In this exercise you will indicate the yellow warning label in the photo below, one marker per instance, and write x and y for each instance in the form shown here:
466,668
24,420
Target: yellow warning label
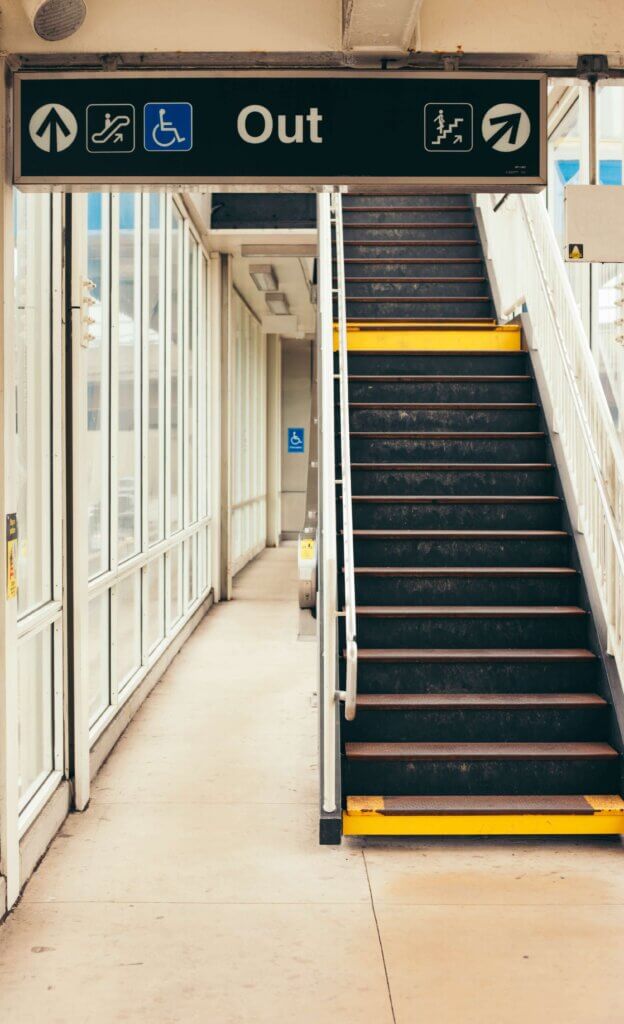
11,543
575,252
307,549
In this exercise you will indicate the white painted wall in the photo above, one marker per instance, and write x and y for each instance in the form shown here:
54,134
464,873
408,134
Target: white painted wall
123,26
488,26
558,26
296,402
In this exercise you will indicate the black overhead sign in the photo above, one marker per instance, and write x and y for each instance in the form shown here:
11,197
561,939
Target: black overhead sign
133,130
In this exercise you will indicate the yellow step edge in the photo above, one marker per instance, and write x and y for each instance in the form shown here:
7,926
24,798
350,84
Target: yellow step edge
365,817
429,337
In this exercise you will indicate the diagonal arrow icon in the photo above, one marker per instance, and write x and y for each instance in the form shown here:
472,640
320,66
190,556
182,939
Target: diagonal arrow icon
509,123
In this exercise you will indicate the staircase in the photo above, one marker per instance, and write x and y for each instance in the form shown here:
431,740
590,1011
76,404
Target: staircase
483,705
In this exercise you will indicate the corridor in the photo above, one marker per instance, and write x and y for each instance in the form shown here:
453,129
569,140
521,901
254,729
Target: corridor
193,888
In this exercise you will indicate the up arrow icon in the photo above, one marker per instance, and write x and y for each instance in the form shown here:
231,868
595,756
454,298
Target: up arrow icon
53,128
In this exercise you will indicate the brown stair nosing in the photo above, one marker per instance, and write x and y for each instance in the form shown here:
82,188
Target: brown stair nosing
463,534
467,654
473,805
450,435
394,611
456,499
453,467
478,701
479,751
447,572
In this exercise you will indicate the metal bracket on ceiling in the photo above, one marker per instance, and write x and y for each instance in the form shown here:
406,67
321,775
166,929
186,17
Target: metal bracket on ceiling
451,61
592,66
111,61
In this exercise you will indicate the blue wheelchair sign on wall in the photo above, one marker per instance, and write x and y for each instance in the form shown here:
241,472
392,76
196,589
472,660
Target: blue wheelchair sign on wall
296,440
168,127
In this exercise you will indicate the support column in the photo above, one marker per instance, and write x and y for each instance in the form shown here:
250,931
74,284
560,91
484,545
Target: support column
274,439
225,557
9,752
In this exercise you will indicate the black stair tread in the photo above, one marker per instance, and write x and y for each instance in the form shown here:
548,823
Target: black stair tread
457,499
398,225
463,534
418,298
450,571
413,280
521,701
453,467
451,435
478,611
485,654
500,804
417,241
405,209
413,259
478,751
439,406
442,378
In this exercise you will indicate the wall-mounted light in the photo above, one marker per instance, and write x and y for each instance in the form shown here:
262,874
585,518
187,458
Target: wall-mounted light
264,277
277,303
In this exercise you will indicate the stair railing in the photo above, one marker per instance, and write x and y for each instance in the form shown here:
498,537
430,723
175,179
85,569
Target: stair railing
529,273
349,694
327,601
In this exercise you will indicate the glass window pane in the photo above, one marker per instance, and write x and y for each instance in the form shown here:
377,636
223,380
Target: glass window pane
128,623
156,369
99,655
128,317
98,379
191,385
35,713
204,385
33,382
568,148
174,562
155,602
176,377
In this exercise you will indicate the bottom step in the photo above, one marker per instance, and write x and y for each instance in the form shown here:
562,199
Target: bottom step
483,815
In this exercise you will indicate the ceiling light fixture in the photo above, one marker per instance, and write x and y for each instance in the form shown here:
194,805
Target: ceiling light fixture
264,277
277,303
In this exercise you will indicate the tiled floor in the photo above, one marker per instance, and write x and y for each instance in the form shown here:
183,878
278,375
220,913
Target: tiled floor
193,889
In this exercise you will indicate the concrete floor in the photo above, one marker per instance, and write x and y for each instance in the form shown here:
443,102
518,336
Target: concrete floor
193,888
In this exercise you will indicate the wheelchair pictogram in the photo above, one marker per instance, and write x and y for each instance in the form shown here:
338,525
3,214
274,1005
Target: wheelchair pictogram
168,127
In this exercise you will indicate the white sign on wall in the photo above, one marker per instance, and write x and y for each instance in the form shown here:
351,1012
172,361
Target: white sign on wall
594,224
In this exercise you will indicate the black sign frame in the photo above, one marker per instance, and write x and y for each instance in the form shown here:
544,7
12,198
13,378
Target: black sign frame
385,152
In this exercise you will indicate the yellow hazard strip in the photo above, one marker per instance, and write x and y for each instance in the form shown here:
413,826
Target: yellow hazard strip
468,338
374,824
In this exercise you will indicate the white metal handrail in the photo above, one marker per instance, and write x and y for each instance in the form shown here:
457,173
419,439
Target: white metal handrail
328,561
349,695
529,271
